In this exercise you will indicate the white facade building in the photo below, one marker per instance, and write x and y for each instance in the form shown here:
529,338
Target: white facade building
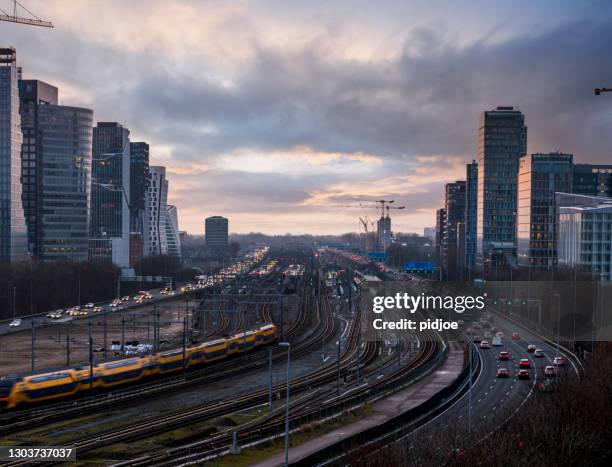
585,233
155,241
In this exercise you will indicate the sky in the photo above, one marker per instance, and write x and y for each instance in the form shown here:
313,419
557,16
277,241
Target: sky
285,116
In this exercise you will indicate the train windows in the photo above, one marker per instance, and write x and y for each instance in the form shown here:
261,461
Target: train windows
49,377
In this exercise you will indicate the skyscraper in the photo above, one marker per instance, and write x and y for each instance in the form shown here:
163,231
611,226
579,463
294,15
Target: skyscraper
471,204
454,207
110,191
32,94
172,232
502,141
440,226
539,177
216,231
56,173
13,231
139,181
155,241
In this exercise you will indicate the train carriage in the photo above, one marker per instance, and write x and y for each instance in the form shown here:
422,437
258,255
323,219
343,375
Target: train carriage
28,389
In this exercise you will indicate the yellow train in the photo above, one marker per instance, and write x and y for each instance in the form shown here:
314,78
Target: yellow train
32,389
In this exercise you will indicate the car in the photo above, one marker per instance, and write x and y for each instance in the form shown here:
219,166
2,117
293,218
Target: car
476,339
550,371
503,373
523,374
475,325
524,363
114,305
559,361
487,335
499,334
96,309
16,322
531,348
546,386
503,355
538,353
485,345
89,305
82,313
497,341
126,298
516,336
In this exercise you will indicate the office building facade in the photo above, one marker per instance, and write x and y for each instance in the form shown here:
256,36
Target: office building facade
110,191
471,209
33,94
440,226
539,177
502,141
592,180
13,231
172,232
454,208
155,240
216,232
585,233
383,231
63,199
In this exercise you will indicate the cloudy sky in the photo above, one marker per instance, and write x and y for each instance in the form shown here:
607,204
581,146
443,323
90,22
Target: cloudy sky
280,114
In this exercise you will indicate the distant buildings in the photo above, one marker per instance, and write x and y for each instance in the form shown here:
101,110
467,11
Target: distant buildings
383,232
539,177
139,183
440,228
172,232
452,247
585,233
502,141
471,209
110,191
430,233
216,232
13,231
156,200
592,180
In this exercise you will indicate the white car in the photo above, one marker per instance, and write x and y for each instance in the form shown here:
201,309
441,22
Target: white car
89,305
538,353
485,345
15,323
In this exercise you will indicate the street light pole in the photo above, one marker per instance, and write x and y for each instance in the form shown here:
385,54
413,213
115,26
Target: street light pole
288,345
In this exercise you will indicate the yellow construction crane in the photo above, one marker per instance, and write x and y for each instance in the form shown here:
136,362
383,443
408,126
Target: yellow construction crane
32,21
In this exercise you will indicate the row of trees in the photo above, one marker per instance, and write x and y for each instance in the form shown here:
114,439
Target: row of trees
35,287
32,287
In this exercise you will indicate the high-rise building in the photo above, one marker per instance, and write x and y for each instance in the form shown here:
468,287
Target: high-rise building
539,177
216,231
383,232
592,180
139,181
13,231
155,241
172,232
56,173
454,208
502,141
471,209
63,203
110,192
585,233
33,94
440,226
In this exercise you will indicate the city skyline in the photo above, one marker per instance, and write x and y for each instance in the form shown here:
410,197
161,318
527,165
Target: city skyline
230,109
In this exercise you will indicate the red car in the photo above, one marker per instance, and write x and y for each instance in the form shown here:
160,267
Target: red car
523,374
503,355
524,363
516,335
503,373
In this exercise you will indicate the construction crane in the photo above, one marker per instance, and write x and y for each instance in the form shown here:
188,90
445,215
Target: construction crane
32,21
599,91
